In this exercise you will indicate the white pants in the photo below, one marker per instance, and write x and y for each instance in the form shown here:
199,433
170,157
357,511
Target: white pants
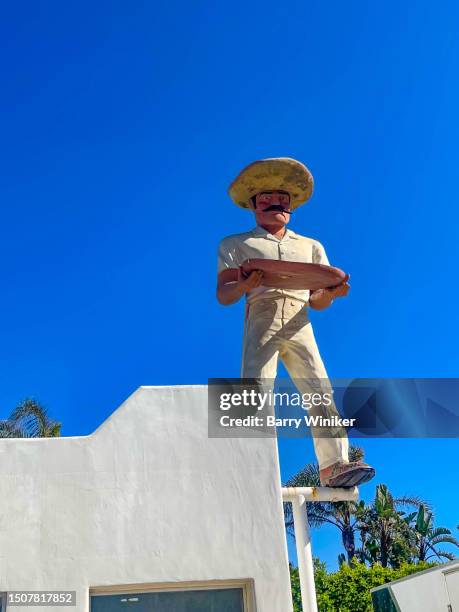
280,327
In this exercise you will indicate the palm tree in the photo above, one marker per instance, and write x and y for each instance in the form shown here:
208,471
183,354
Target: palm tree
385,533
29,420
427,538
340,514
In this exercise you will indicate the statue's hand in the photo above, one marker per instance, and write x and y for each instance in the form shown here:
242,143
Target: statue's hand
340,290
247,283
322,298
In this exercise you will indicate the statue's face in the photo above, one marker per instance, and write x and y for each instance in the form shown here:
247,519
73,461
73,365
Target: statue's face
270,206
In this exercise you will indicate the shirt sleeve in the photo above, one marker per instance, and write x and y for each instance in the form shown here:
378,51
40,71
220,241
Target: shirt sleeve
227,255
318,254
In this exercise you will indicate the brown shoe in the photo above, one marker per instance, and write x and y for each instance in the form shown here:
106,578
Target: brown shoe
348,475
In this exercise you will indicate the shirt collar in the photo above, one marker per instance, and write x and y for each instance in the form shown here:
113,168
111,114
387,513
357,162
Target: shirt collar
260,231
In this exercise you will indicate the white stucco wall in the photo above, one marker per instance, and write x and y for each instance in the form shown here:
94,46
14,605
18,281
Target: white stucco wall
146,498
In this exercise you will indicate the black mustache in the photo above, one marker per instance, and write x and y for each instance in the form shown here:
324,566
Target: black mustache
277,207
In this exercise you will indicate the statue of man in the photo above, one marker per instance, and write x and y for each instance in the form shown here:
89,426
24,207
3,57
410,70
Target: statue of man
277,324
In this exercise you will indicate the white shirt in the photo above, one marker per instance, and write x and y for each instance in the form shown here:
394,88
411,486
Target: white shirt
258,243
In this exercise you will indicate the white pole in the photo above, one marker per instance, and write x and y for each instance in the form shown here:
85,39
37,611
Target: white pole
299,496
304,554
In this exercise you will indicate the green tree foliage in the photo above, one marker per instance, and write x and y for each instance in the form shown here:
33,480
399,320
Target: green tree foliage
29,420
385,533
426,537
296,590
348,589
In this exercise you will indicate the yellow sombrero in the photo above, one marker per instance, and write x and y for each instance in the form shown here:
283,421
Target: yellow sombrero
269,174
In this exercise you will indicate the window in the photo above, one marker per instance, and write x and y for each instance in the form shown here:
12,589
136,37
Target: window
383,600
232,598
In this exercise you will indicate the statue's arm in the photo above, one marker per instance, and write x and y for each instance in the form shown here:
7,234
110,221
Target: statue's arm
231,285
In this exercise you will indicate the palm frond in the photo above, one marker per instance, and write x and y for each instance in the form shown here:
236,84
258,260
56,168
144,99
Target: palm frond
411,500
309,476
8,430
356,453
438,531
32,417
442,554
443,539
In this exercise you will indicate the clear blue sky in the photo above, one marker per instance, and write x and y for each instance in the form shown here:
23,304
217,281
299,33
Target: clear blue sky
122,125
